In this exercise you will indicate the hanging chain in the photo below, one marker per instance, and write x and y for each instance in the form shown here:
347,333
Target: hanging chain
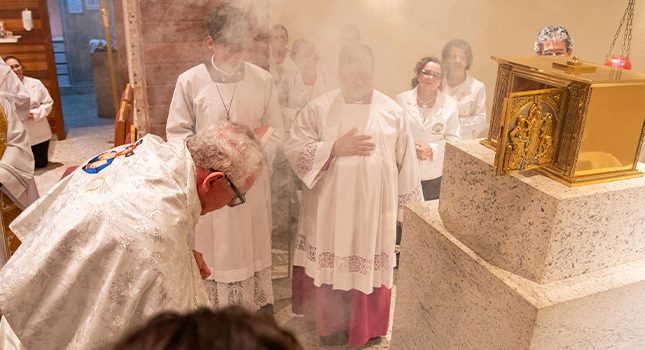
627,38
628,30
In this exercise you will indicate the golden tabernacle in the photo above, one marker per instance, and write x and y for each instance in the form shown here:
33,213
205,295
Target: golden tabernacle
576,122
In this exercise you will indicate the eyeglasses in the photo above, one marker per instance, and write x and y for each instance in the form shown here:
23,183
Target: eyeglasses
554,52
431,74
239,199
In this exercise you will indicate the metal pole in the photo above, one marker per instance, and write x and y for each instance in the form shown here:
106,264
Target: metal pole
108,38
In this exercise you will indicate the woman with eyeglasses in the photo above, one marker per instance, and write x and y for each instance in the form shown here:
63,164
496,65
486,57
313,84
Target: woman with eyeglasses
460,85
40,107
433,119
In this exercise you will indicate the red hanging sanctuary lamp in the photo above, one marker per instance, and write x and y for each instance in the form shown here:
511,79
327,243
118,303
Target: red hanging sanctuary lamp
622,61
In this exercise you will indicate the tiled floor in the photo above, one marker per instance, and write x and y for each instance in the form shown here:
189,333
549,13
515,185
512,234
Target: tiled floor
80,112
80,145
87,135
84,143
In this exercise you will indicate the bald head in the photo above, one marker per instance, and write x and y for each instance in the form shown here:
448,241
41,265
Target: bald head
356,72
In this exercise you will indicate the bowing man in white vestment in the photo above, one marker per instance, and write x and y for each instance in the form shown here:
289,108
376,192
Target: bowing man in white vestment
236,242
433,118
469,92
16,160
353,150
108,246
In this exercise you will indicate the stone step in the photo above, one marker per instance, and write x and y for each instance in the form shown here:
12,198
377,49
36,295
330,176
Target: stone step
451,298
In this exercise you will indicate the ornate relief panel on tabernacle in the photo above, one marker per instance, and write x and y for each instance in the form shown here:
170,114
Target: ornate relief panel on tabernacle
529,125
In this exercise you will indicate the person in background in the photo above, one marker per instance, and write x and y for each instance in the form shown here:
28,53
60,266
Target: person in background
353,150
231,328
297,88
280,65
554,41
108,246
282,69
41,105
235,241
307,82
17,186
349,36
15,91
433,118
469,92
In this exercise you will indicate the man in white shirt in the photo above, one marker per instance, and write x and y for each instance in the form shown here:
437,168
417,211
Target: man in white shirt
236,242
107,247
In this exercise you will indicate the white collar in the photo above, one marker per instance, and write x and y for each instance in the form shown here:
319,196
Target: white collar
225,73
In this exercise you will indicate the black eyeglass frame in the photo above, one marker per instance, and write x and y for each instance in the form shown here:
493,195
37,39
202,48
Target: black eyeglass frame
240,199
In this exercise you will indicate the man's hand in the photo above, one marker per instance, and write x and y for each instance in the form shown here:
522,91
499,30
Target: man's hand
424,152
352,145
204,271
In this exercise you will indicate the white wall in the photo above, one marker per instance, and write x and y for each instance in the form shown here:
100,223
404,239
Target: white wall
402,31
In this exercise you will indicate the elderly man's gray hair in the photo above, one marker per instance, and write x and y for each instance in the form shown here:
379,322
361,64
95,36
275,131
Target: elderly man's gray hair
553,33
229,147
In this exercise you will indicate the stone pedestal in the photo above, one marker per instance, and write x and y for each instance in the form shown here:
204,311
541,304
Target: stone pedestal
499,275
534,226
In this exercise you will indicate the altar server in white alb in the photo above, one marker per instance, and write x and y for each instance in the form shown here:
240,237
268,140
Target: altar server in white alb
41,105
433,118
17,186
107,247
469,92
280,63
236,242
353,150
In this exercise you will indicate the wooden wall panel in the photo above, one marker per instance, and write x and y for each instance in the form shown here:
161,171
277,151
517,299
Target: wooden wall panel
34,50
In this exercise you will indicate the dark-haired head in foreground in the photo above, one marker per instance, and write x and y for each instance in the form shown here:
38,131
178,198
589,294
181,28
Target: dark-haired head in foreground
232,328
